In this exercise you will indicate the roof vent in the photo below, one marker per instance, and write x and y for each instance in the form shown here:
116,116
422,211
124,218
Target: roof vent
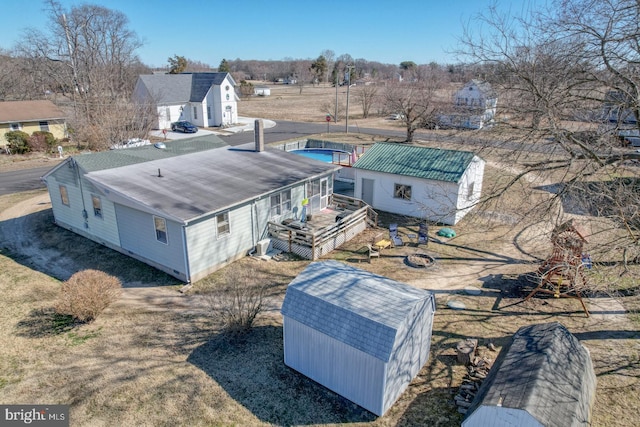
159,174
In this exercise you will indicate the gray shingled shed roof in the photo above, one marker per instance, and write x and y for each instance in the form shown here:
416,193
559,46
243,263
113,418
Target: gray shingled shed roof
181,88
412,160
205,181
361,309
544,371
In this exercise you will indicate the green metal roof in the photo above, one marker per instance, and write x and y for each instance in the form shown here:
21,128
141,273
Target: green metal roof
416,161
130,156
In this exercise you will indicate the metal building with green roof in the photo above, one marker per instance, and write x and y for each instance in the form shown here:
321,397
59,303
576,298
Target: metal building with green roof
431,183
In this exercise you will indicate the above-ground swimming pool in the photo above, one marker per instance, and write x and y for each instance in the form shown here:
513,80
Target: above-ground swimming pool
326,155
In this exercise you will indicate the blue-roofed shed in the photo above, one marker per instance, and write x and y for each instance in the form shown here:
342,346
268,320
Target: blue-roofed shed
431,183
362,335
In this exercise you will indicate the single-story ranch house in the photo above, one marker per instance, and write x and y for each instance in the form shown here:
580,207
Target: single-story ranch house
32,116
204,99
189,208
437,185
362,335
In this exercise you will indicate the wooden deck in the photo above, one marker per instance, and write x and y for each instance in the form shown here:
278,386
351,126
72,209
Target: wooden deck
325,230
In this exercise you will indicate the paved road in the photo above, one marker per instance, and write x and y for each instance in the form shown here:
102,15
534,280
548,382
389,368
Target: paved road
29,179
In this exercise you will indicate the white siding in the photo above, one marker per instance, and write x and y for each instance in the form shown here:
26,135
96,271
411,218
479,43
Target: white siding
168,114
411,351
433,200
138,239
498,416
472,176
345,370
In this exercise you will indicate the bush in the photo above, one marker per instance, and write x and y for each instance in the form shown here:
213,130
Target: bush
239,300
17,142
86,294
42,141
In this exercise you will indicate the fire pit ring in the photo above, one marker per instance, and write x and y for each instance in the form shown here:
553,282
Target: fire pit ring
420,260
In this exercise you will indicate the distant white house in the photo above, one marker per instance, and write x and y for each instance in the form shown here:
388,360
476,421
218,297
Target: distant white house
262,91
437,185
362,335
474,106
204,99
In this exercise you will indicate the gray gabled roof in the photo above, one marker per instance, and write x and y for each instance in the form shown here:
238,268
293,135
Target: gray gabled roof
544,371
204,182
181,88
359,308
416,161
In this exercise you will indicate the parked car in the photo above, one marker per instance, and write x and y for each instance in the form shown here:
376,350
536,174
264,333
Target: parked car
184,126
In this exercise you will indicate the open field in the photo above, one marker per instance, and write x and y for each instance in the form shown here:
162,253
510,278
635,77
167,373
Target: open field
158,357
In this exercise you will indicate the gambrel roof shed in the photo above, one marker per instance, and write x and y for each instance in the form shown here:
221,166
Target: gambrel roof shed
359,334
544,377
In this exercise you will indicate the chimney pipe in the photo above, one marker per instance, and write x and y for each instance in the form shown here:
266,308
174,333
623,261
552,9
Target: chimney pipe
259,135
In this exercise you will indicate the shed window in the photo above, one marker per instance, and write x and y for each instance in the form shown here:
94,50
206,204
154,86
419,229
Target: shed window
44,126
161,229
97,206
64,196
402,191
222,223
15,126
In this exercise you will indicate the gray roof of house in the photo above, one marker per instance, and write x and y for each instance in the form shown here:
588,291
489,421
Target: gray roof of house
181,88
93,162
200,182
416,161
544,371
359,308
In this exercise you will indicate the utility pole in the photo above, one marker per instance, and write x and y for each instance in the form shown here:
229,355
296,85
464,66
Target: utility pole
335,116
349,67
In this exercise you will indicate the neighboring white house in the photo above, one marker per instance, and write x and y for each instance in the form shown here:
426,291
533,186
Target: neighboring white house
187,209
474,106
204,99
362,335
437,185
262,91
544,377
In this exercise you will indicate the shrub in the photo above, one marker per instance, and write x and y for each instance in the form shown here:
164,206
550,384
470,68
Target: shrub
86,294
42,141
239,299
17,141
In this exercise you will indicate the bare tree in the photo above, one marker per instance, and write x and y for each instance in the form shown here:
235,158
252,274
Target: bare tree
415,102
553,88
367,95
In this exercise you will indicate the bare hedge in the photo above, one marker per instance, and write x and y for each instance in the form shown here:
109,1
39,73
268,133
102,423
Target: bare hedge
87,293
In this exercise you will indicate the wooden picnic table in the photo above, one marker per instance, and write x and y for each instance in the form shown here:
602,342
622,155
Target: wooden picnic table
382,244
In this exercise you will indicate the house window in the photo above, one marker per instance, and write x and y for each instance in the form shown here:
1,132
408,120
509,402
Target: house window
280,203
195,113
402,191
222,224
97,206
209,112
470,190
168,113
15,126
64,196
160,225
44,126
313,188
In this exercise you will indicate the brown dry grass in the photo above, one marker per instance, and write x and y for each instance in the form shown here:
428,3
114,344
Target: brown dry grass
157,357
